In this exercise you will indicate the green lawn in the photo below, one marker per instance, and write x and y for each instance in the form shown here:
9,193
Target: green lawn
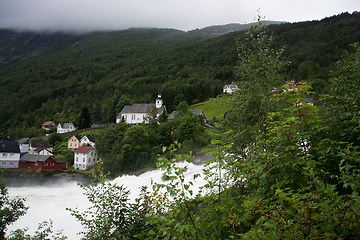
215,107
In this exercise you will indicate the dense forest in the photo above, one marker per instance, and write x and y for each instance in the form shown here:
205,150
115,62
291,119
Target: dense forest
52,76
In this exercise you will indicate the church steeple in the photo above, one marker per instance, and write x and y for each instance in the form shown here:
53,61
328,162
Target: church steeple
158,101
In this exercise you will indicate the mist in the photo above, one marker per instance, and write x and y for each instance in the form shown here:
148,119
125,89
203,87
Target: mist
90,15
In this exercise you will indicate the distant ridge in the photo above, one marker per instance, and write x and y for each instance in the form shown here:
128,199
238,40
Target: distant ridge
231,27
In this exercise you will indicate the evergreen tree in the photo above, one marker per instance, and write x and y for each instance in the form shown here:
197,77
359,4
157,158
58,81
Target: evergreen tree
84,120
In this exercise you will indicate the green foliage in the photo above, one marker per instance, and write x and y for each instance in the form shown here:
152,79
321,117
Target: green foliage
84,120
10,209
43,232
111,216
258,72
213,108
54,138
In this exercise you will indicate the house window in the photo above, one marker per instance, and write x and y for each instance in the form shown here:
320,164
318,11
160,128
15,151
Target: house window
4,154
51,164
45,164
89,159
75,144
70,144
133,117
83,159
92,153
77,159
36,163
11,154
11,163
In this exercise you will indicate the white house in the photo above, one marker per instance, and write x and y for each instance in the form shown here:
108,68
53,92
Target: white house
88,140
84,157
137,113
9,153
43,151
65,127
230,88
24,145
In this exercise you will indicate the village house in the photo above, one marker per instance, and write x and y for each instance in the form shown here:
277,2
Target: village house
35,144
48,125
65,127
230,88
24,145
84,157
9,153
43,151
74,142
88,140
42,162
138,113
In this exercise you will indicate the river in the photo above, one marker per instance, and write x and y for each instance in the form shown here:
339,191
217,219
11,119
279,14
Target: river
49,197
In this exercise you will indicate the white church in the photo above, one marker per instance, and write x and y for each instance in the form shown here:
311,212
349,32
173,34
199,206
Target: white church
137,113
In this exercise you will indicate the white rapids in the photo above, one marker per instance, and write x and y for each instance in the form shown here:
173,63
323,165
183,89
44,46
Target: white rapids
49,201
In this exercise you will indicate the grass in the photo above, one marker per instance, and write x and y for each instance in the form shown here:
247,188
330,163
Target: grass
215,107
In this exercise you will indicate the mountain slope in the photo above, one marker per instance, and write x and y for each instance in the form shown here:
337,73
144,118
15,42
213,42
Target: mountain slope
99,69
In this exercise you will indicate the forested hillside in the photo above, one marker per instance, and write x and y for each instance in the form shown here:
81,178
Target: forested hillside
94,70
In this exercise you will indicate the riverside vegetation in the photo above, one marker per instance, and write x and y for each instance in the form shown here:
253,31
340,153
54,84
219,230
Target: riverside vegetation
283,169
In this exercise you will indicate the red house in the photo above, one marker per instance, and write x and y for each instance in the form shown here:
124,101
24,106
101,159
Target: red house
42,162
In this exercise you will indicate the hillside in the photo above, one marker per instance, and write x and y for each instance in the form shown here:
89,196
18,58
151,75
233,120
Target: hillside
51,76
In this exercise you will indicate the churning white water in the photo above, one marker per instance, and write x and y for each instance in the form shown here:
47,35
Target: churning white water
49,200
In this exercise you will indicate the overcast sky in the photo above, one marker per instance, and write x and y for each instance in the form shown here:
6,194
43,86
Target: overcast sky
180,14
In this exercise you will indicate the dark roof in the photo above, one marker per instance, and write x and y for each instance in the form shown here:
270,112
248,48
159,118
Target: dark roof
66,125
200,112
34,158
9,146
39,143
60,160
6,139
197,112
77,137
92,137
24,141
139,108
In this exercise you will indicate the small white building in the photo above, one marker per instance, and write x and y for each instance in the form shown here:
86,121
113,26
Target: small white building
65,127
84,157
24,145
88,140
9,153
43,152
230,88
137,113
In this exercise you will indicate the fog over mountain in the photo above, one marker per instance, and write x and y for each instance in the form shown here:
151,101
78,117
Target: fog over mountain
87,15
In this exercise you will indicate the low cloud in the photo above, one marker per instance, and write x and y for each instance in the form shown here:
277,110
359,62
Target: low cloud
87,15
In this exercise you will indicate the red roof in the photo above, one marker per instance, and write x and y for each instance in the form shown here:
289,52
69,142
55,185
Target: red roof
48,123
83,149
39,149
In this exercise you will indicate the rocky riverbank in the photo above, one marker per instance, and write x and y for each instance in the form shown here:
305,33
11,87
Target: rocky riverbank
28,172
